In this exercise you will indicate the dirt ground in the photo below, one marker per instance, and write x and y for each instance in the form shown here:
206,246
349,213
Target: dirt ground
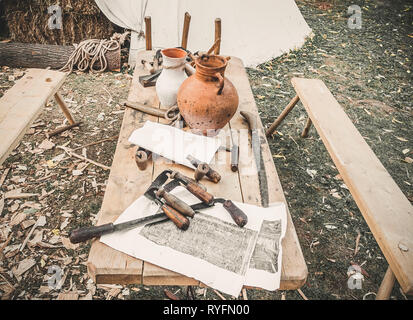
367,70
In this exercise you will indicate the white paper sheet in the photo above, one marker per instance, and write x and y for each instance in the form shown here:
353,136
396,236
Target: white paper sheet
264,270
225,273
175,144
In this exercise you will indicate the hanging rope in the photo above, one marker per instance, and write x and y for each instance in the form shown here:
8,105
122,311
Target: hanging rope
90,54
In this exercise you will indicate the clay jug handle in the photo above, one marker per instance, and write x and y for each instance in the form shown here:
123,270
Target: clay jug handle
221,82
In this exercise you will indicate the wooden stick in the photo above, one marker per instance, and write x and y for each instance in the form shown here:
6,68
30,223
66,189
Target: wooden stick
307,127
214,46
185,32
97,142
244,294
386,286
60,101
4,175
62,129
6,243
219,295
148,33
302,294
72,154
218,35
283,114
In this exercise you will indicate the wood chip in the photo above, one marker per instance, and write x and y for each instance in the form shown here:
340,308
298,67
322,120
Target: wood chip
113,293
46,145
24,265
408,160
68,296
170,295
27,223
3,176
356,249
17,194
1,205
17,219
68,245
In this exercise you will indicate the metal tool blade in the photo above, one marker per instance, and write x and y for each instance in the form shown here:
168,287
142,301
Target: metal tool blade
156,184
155,218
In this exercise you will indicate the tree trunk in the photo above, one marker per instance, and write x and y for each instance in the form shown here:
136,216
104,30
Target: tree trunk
27,55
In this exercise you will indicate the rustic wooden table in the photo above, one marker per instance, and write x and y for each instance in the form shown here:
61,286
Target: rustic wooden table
126,183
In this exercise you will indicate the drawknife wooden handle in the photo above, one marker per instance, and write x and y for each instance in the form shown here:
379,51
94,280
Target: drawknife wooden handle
178,219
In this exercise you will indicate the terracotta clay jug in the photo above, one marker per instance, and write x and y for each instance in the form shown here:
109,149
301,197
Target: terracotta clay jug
207,100
172,75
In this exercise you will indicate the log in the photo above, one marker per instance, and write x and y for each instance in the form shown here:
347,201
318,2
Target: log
27,55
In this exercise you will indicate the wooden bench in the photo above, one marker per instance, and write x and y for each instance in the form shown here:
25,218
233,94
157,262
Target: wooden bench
385,208
126,183
21,105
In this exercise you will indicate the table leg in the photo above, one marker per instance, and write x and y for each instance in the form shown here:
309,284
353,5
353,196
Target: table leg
283,114
386,286
63,106
307,127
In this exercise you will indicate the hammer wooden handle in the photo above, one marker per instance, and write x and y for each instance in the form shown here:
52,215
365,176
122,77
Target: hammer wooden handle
178,219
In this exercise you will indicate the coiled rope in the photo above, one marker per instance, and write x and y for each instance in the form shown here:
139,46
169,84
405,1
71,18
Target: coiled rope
90,54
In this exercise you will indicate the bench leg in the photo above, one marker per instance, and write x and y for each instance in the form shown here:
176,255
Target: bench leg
386,286
283,114
307,127
63,106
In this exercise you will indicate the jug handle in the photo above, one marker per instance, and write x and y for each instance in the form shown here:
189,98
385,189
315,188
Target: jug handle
221,82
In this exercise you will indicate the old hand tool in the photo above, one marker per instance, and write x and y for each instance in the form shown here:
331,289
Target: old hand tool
208,199
148,66
234,157
174,204
146,109
87,233
142,157
239,217
257,141
149,80
211,174
193,187
201,171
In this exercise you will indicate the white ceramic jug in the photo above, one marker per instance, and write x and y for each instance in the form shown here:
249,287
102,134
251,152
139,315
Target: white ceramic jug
172,75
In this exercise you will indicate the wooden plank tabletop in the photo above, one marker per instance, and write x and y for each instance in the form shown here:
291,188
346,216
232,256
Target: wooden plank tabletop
387,211
126,183
22,103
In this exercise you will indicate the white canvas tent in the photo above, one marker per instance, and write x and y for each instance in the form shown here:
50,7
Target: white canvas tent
255,31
